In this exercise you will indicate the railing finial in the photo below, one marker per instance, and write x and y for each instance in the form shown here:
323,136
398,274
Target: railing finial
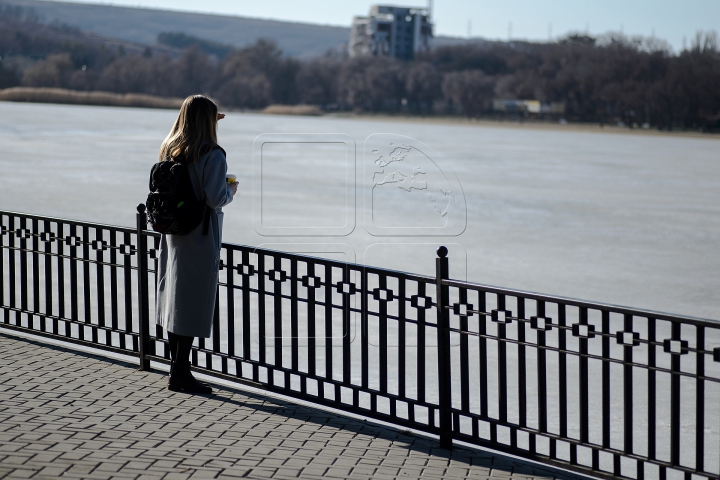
442,251
141,208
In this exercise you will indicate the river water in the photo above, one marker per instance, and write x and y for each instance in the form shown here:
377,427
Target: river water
618,218
625,219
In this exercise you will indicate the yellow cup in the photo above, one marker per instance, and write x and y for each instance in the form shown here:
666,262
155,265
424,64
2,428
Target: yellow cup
231,178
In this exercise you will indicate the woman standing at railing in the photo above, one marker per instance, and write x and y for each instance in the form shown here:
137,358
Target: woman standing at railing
188,265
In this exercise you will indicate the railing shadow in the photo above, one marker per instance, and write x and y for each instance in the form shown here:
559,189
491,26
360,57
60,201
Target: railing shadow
273,405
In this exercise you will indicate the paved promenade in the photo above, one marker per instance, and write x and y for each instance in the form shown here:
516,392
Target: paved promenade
67,414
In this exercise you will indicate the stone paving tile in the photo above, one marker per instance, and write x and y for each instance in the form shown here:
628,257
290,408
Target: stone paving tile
66,414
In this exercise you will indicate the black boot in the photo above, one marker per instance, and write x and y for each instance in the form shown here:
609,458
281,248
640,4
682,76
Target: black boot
181,378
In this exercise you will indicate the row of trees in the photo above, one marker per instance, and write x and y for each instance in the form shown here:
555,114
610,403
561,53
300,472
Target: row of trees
607,79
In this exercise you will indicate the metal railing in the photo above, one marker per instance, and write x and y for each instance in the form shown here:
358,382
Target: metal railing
604,390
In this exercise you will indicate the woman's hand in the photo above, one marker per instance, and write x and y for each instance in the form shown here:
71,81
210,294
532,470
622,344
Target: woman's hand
233,188
221,116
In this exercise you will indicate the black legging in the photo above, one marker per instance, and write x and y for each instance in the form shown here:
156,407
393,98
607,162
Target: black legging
180,347
181,377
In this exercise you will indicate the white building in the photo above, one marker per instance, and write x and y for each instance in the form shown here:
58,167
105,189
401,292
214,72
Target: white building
398,32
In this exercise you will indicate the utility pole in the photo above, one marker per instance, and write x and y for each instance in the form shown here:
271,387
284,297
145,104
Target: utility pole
430,9
550,32
469,30
509,31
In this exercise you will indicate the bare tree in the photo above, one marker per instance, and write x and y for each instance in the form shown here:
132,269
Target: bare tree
423,87
317,82
471,90
54,71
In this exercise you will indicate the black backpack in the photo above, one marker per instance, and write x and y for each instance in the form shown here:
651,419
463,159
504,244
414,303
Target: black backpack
172,207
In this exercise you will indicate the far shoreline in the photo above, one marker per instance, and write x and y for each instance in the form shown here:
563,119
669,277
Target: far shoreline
58,96
526,124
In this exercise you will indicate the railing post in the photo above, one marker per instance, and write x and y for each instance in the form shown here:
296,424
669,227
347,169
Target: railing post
443,332
143,310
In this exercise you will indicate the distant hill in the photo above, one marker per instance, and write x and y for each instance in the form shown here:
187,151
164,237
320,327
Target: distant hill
142,25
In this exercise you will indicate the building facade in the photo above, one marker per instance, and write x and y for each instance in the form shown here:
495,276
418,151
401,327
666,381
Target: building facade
398,32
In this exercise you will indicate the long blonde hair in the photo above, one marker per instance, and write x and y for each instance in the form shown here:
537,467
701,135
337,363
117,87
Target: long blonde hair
194,131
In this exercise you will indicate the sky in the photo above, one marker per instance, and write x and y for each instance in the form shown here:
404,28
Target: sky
671,20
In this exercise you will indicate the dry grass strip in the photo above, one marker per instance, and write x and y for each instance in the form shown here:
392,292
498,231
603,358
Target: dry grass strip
309,110
74,97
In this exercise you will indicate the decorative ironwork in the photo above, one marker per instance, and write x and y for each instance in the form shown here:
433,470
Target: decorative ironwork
421,302
246,270
501,316
540,323
514,371
675,347
277,275
98,245
383,294
629,339
311,281
346,288
583,330
73,241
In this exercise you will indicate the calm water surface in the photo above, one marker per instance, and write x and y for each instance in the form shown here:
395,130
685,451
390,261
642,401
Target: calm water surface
625,219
